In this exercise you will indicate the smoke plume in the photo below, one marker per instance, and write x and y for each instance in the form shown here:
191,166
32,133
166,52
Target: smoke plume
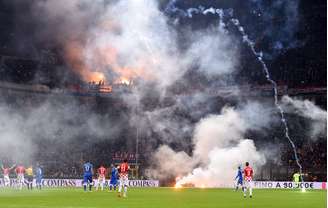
316,116
220,147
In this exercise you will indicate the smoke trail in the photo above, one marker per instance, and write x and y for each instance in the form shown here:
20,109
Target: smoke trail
272,24
274,85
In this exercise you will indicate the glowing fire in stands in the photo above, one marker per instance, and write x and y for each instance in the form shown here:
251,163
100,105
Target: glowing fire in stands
124,80
96,76
103,58
75,59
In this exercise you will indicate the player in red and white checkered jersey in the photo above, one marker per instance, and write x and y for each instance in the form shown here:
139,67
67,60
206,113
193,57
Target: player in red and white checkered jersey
101,178
248,180
124,180
20,171
6,172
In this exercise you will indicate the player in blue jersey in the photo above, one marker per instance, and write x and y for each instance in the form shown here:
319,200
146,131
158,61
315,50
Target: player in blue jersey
239,178
87,176
113,178
39,176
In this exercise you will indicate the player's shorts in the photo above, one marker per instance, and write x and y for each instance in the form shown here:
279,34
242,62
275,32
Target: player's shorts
87,178
101,179
113,181
6,179
38,180
248,183
29,178
239,182
20,178
124,180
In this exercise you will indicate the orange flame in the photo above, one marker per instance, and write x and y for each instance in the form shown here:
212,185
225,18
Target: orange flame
74,56
104,57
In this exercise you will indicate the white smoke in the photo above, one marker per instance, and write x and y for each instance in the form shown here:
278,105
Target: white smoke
307,109
214,52
168,163
22,130
219,147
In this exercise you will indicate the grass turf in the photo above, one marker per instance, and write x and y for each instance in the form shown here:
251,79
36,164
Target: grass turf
160,198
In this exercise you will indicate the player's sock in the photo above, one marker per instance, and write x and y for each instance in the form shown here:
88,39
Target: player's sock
114,188
110,187
125,190
90,186
120,189
85,187
250,192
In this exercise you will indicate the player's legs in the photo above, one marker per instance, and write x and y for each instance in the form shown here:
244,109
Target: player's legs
115,185
85,182
22,180
29,185
120,185
38,183
102,183
239,183
250,189
31,182
97,183
90,182
110,185
126,182
236,186
246,186
6,180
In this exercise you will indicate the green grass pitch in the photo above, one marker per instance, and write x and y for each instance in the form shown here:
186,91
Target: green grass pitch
161,197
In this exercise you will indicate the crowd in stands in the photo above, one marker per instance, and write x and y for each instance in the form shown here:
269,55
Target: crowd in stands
312,156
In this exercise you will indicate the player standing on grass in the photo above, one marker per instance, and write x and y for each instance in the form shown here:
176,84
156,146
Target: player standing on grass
113,178
87,176
101,177
20,171
29,173
39,176
296,179
6,173
124,180
248,177
239,176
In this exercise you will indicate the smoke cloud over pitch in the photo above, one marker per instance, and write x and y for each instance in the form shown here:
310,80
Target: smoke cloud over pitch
22,129
220,147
